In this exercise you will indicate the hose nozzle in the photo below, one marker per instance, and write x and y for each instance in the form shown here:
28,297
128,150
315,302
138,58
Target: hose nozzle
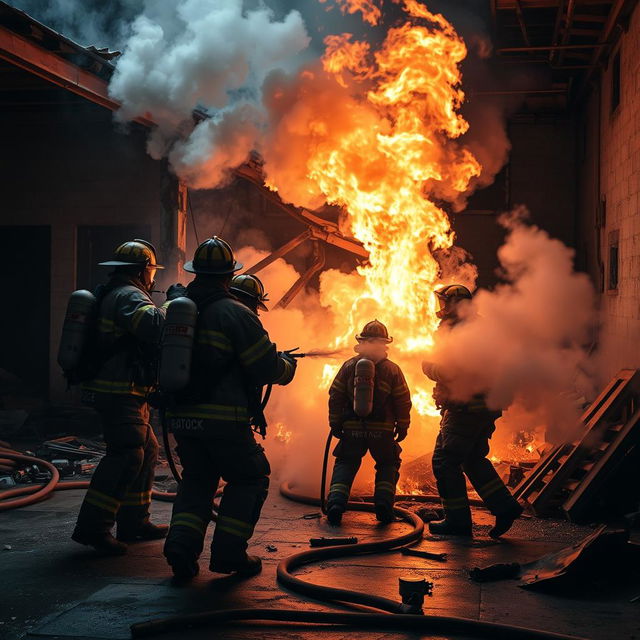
412,592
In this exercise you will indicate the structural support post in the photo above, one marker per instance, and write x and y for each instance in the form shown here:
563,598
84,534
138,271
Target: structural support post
280,252
305,278
173,225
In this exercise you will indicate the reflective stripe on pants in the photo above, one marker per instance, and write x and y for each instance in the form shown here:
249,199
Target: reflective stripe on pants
349,453
461,449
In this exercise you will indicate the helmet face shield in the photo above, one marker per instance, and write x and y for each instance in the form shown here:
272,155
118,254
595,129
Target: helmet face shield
442,306
449,298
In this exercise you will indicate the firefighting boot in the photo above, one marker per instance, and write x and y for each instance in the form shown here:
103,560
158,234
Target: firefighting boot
101,541
449,528
334,515
250,566
384,513
504,521
148,531
184,567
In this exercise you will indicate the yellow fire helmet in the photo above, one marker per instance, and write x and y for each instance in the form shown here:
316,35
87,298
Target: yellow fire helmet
136,252
214,257
251,286
450,295
374,330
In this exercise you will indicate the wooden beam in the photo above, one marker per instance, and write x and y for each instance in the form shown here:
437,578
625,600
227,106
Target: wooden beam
583,32
584,17
612,21
522,23
568,23
47,65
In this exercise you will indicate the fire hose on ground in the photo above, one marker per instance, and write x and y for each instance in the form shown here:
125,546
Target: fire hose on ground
397,617
31,494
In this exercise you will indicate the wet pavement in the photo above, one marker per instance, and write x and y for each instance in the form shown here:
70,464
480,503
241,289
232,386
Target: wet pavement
54,588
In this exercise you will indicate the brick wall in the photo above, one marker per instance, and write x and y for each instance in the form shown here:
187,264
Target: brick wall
620,188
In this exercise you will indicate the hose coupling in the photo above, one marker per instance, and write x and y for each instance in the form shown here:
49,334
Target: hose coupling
412,592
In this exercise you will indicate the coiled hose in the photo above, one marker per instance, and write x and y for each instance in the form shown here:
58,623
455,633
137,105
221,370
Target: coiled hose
33,493
396,617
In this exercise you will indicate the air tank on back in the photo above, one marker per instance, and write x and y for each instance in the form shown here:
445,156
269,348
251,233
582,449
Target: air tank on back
363,387
177,344
81,310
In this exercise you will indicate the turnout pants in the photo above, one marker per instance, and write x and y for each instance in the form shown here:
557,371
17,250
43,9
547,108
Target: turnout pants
461,449
240,461
349,453
120,489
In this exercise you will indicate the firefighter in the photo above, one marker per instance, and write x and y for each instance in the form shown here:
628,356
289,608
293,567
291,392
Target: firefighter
127,334
380,432
462,445
250,291
211,421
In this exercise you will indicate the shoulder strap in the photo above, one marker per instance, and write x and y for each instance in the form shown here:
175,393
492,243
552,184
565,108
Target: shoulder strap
214,297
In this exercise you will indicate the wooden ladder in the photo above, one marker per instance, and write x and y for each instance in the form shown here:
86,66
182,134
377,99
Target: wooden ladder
560,479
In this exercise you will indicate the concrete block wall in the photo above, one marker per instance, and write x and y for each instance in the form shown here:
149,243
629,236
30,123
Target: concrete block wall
620,188
71,167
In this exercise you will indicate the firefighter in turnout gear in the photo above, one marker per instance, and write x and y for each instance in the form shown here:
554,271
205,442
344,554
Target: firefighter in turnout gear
379,431
211,421
462,445
126,338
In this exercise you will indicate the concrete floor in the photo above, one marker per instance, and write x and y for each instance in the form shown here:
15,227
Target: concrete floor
53,588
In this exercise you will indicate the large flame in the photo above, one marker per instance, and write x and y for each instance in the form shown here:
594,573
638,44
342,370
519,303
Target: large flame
393,147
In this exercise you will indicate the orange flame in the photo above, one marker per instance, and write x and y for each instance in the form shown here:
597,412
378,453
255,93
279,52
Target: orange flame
376,134
370,12
380,175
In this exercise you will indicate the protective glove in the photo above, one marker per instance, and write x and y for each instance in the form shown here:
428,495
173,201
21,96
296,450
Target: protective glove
286,356
337,432
400,433
176,291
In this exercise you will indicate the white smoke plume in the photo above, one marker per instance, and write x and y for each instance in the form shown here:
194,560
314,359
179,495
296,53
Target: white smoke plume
528,341
208,54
